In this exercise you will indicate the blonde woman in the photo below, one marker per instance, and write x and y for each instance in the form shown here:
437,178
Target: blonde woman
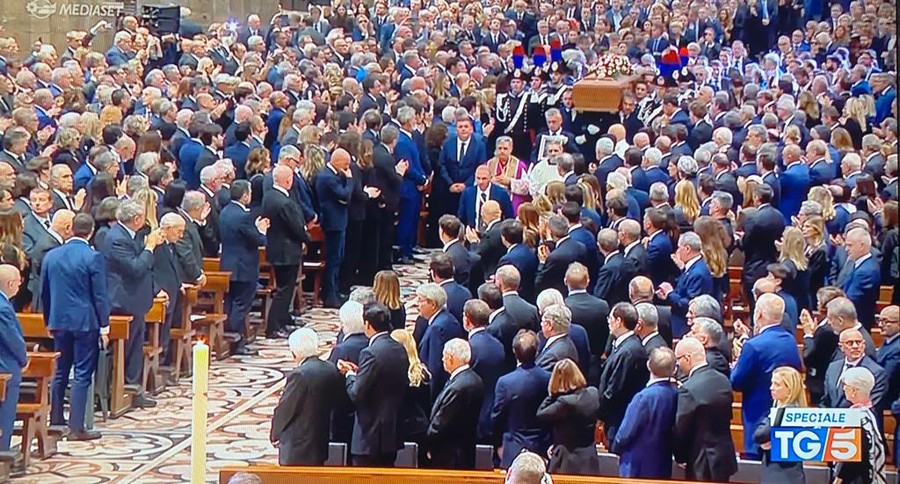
309,135
148,199
813,230
556,193
110,115
387,291
417,401
530,218
571,410
68,143
314,161
715,240
824,197
792,249
91,131
687,204
748,186
787,392
854,120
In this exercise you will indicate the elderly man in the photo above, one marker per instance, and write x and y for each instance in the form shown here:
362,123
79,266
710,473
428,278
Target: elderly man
14,357
852,345
442,327
554,264
640,290
556,321
888,355
300,423
646,328
771,347
713,338
695,280
863,284
452,432
168,277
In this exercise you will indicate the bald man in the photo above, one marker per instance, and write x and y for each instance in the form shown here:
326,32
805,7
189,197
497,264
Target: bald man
60,231
487,244
473,197
284,247
863,284
853,347
334,188
640,290
13,357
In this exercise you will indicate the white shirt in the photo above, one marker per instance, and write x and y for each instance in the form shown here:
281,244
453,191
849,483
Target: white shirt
621,338
606,259
862,259
448,244
647,338
655,380
458,371
476,331
631,246
688,264
431,319
495,314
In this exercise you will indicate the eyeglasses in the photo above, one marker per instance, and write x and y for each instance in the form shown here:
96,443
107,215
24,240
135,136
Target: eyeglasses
854,342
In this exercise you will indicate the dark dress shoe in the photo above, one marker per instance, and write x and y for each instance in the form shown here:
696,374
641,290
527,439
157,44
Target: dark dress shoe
83,435
406,260
141,401
241,349
280,334
332,304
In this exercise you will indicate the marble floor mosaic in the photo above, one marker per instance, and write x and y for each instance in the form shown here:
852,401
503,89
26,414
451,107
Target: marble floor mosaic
153,445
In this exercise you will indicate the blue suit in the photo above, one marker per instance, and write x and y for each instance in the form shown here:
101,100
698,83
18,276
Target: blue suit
468,204
655,174
752,375
487,361
130,281
454,170
238,153
860,88
187,162
820,173
883,103
333,191
44,118
240,256
525,260
659,258
82,177
457,295
410,197
76,306
645,440
862,288
13,358
442,329
695,280
888,356
516,400
116,56
795,181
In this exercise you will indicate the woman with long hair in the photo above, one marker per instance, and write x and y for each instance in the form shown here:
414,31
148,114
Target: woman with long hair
258,164
103,185
687,204
714,238
854,121
68,142
889,241
823,196
818,266
842,142
172,197
864,193
11,227
148,199
792,248
387,291
556,193
104,218
91,133
530,218
571,409
787,392
417,401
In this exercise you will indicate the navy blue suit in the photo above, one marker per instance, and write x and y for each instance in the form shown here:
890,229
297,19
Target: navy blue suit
442,329
488,362
862,288
820,173
454,170
238,154
888,356
752,375
525,260
457,295
410,197
695,281
773,180
82,177
795,181
645,440
516,400
468,204
187,162
13,358
655,174
581,234
334,191
659,258
551,274
130,280
76,306
240,255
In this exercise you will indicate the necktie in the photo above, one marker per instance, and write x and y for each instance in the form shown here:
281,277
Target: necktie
47,223
462,150
482,199
70,202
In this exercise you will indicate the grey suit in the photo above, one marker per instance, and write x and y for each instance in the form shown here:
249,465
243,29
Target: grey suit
17,164
35,233
834,392
189,250
557,350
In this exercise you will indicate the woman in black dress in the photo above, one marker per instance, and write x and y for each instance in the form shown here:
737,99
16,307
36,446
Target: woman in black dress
813,230
258,165
571,409
387,292
417,401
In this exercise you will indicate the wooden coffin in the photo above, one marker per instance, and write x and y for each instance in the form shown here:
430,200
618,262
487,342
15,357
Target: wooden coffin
599,95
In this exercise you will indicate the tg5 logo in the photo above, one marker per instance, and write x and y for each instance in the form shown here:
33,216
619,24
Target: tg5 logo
833,444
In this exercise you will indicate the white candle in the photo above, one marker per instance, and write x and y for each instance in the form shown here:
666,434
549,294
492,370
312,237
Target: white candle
199,404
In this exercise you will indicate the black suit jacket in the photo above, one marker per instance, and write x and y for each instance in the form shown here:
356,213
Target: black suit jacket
701,133
489,250
287,233
377,391
558,350
462,264
726,182
189,250
624,374
34,234
212,242
503,327
818,353
760,234
301,420
552,273
703,426
167,274
454,422
386,179
612,280
34,282
591,313
524,314
639,260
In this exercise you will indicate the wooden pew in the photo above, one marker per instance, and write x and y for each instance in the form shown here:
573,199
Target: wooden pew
152,380
314,264
183,336
213,323
212,265
33,327
4,377
342,475
35,415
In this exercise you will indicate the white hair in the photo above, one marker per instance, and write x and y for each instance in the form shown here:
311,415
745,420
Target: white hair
604,146
547,298
853,161
724,135
145,161
459,349
209,173
171,219
653,155
771,307
351,316
859,378
617,181
304,343
433,293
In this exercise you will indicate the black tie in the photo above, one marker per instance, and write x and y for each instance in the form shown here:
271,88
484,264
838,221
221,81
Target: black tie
47,223
462,151
70,202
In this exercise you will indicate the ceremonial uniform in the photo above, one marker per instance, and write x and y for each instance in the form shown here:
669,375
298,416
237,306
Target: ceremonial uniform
512,114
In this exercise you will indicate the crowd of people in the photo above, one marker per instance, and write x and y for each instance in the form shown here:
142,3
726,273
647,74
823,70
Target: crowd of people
582,274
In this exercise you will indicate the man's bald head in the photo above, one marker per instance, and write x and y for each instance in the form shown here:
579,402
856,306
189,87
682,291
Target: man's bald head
283,176
618,131
340,159
640,289
62,223
10,280
483,170
490,211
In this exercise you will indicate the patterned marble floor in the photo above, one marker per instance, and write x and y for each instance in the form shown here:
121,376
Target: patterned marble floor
153,445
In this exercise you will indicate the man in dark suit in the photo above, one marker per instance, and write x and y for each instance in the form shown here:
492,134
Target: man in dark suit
189,248
473,197
334,188
645,441
863,285
578,232
253,28
60,231
612,279
240,149
459,157
758,241
701,131
387,177
129,262
377,387
442,327
210,183
640,290
646,330
553,264
449,232
766,162
853,349
888,356
820,342
517,397
524,314
76,308
771,347
625,371
521,257
556,321
634,251
794,182
441,267
703,420
694,281
487,361
14,357
36,229
168,277
300,423
414,180
284,246
486,246
659,247
452,433
591,313
242,235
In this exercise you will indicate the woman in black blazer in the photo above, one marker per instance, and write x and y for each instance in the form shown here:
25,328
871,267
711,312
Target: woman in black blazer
387,292
818,265
417,401
793,256
571,409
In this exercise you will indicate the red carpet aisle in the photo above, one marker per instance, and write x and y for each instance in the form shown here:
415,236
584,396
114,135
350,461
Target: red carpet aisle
153,445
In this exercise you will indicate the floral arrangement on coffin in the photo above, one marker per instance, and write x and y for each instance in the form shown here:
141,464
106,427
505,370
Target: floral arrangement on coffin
611,66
